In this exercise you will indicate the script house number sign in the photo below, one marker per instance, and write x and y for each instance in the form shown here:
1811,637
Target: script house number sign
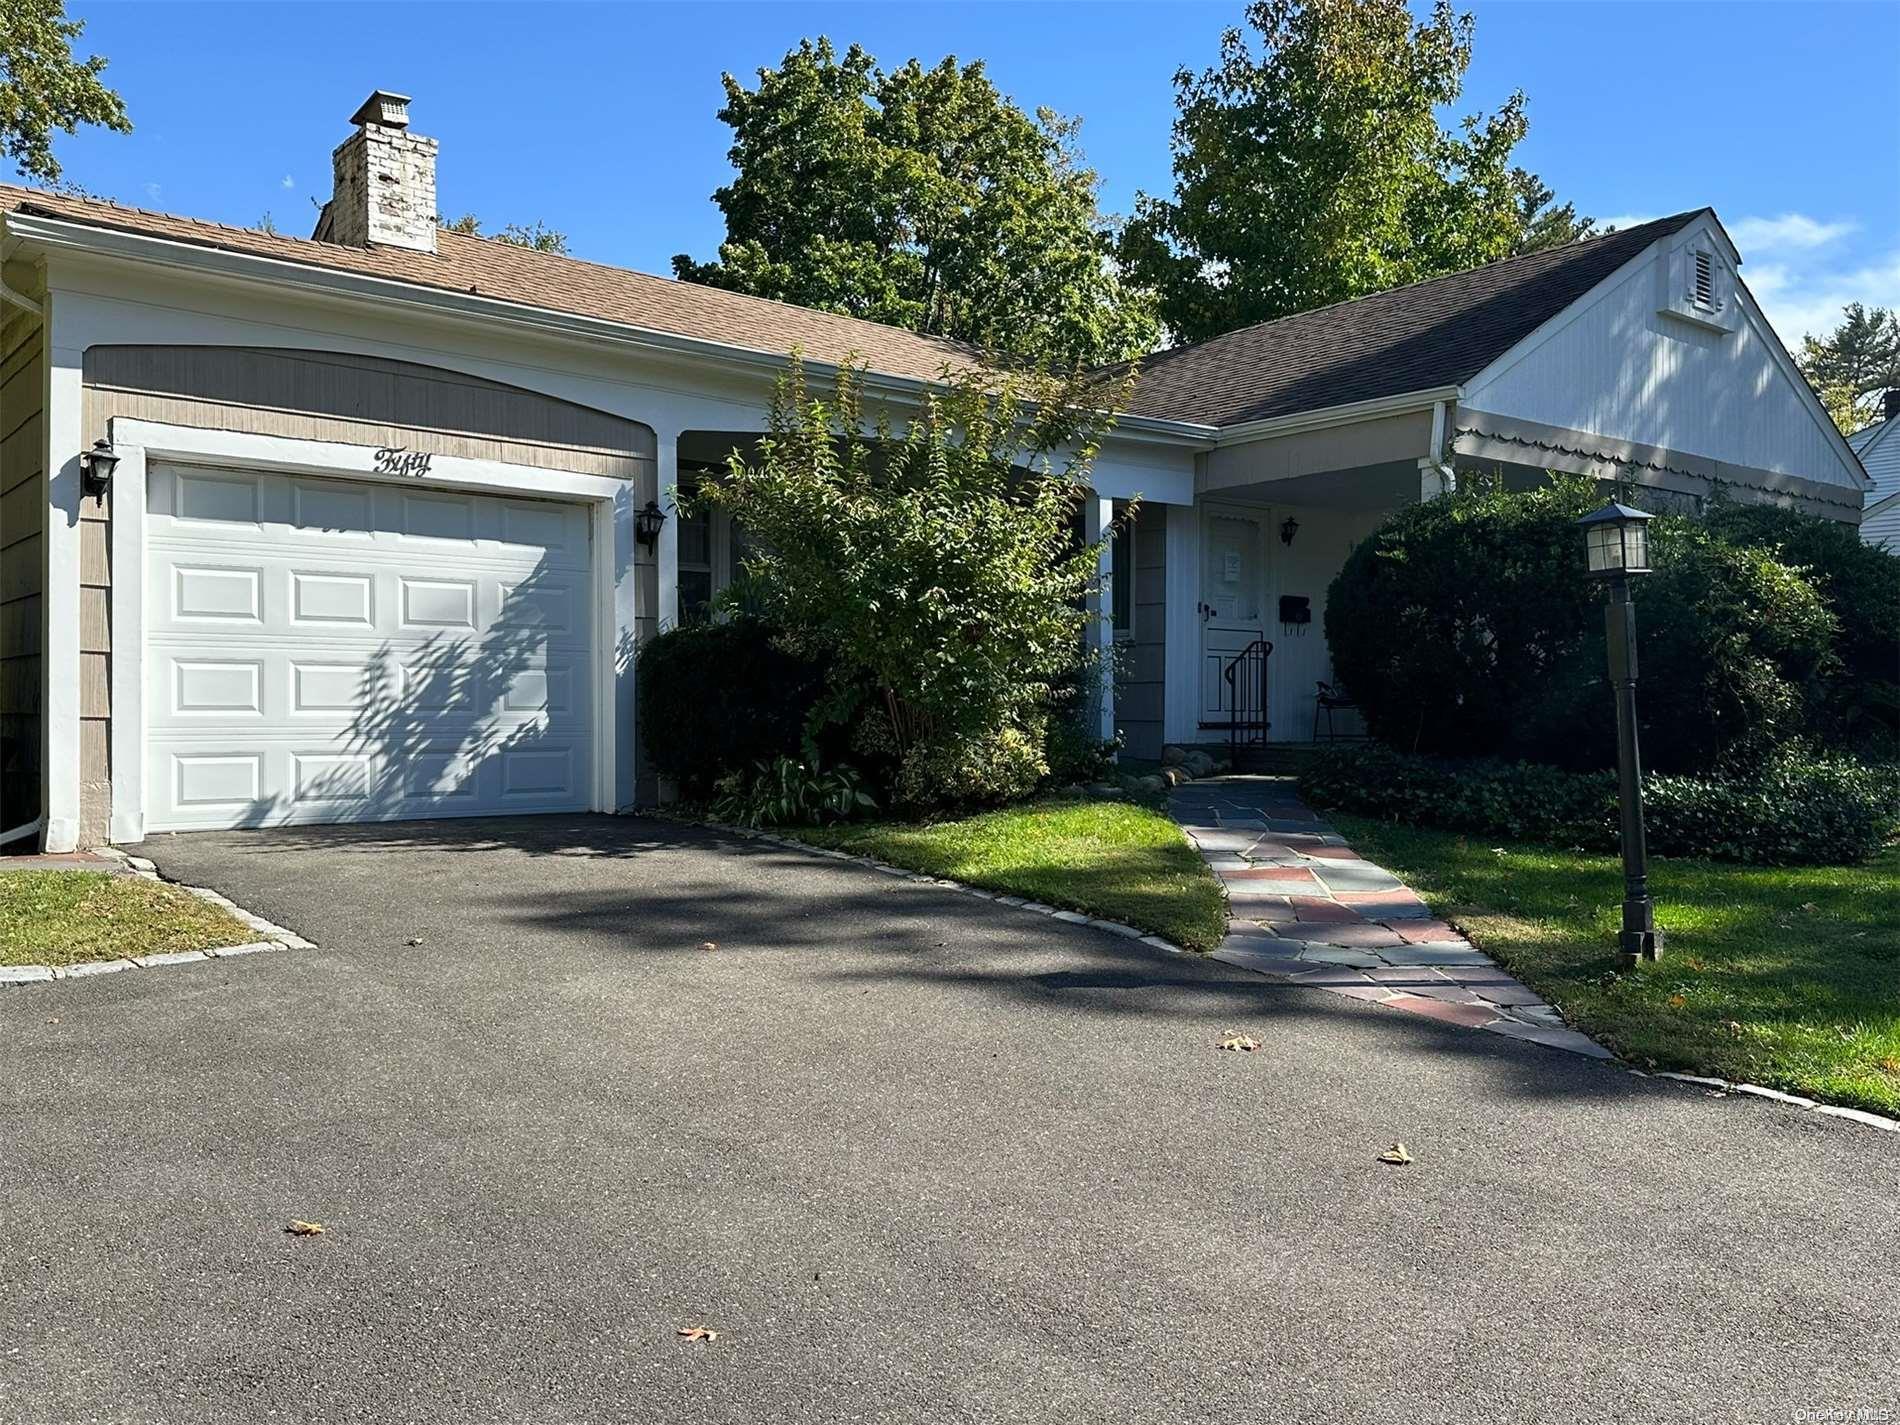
400,460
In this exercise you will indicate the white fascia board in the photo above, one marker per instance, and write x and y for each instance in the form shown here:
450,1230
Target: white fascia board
1349,414
275,272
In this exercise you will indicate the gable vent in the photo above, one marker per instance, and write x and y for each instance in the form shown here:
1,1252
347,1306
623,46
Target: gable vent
1703,279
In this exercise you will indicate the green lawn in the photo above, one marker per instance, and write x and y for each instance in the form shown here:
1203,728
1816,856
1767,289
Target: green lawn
64,917
1109,858
1788,977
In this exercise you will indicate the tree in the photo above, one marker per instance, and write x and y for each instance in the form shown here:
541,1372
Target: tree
1546,222
923,198
1854,364
1316,169
537,235
43,88
936,575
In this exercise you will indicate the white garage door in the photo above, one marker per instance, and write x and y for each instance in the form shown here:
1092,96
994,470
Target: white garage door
335,650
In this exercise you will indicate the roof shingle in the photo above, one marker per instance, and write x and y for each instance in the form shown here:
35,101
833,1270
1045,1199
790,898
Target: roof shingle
507,273
1440,332
1435,333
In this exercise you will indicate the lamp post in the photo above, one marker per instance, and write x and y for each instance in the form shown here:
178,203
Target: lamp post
1616,544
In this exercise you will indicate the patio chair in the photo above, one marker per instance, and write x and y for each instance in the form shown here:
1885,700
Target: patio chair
1330,699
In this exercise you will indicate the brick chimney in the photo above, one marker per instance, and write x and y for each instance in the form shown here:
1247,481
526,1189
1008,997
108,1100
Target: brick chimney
384,191
1890,403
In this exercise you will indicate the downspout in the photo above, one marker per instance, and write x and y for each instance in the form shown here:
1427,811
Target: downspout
20,833
1435,474
8,294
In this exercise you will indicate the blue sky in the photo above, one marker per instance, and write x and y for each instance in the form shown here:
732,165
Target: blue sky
599,119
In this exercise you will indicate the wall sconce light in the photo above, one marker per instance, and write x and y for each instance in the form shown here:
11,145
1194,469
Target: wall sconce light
648,524
1288,528
95,468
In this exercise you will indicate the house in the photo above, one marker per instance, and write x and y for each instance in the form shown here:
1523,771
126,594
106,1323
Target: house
1878,447
364,525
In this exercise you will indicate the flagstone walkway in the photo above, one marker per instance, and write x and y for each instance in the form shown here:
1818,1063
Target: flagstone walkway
1305,908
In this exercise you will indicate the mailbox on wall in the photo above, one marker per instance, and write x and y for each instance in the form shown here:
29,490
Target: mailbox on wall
1295,608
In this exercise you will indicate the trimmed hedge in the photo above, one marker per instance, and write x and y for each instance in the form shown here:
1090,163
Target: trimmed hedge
1465,629
718,698
1794,811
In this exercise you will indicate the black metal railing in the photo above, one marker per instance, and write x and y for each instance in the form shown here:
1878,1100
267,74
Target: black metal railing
1244,677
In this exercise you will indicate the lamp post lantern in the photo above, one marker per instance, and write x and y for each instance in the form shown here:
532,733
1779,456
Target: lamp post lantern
1616,546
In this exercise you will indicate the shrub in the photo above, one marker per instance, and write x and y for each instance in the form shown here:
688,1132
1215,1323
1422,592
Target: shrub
787,792
1464,627
936,574
1734,650
1453,618
1794,809
719,697
1861,584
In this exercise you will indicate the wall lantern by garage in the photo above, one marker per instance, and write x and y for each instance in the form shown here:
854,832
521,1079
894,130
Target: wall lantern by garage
1616,548
648,524
1288,528
95,468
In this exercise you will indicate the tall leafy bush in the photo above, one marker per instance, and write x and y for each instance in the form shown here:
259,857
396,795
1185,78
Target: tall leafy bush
935,571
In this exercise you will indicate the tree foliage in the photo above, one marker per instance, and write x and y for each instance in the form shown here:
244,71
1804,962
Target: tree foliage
537,235
923,198
43,88
1310,166
935,573
1854,364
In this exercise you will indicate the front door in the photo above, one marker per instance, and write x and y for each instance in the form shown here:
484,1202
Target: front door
1233,599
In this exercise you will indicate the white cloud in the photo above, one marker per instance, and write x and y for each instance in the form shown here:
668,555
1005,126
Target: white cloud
1791,232
152,190
287,182
1804,297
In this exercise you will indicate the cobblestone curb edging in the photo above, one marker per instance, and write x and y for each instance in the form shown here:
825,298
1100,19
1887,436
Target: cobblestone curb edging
1719,1087
271,937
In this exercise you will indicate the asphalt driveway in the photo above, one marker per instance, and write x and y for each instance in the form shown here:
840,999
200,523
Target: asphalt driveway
914,1156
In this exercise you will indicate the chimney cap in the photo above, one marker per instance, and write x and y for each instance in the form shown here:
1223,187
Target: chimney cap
384,107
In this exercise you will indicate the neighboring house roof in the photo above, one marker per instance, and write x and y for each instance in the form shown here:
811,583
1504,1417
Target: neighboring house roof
507,273
1864,439
1440,332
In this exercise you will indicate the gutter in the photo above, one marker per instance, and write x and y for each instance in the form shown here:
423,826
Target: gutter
1432,398
276,272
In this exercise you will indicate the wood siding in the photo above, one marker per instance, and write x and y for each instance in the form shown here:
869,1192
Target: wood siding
22,563
1620,368
324,396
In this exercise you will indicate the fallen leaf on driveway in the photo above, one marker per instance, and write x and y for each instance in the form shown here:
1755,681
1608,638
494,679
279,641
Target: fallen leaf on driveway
698,1333
709,945
1395,1155
1242,1043
300,1228
413,940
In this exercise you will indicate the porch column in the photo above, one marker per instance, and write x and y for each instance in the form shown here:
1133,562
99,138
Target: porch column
666,611
1098,518
61,697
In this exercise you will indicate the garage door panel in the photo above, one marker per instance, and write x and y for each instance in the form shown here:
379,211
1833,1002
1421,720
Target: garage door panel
359,651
